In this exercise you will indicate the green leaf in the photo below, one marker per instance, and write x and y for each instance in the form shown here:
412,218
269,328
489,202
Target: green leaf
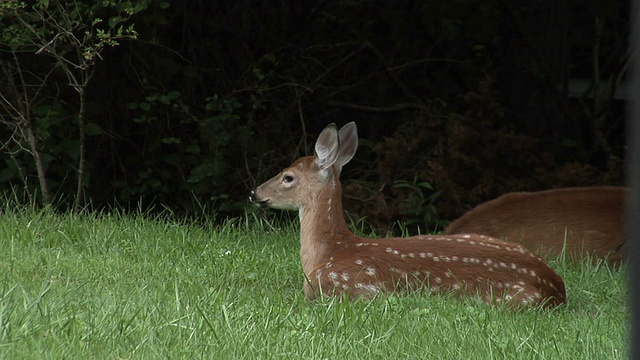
174,95
170,97
425,185
171,140
192,149
402,185
93,129
155,183
114,20
42,4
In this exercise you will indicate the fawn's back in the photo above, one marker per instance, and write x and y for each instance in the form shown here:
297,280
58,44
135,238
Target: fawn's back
466,264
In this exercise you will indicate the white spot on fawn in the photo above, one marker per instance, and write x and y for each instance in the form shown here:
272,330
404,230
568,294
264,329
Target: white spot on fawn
371,271
368,287
359,262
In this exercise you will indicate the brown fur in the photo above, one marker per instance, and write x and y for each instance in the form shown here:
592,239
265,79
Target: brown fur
338,263
590,219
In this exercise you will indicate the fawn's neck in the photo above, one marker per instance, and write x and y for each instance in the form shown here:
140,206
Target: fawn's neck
322,225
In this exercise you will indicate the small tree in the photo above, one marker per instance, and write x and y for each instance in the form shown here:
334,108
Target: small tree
70,36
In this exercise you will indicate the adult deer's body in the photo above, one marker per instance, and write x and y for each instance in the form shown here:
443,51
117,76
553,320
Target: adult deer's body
338,263
580,221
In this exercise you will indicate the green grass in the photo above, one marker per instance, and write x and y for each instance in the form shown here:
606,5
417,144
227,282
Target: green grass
133,287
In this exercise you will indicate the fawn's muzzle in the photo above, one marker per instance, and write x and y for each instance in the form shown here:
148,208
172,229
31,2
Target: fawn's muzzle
254,199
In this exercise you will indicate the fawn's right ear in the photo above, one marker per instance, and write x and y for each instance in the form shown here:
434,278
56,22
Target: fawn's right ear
327,147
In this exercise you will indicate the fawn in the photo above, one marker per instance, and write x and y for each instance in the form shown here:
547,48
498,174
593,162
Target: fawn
583,222
338,263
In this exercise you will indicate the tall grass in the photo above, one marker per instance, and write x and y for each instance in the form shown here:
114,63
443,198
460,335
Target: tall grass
116,286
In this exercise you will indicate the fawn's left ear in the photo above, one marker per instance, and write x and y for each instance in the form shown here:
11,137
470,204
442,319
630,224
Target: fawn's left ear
327,147
348,137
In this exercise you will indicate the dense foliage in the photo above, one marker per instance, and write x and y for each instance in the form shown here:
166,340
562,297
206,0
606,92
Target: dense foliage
189,104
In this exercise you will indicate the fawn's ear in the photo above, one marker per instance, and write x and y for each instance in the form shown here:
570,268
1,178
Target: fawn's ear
327,147
348,137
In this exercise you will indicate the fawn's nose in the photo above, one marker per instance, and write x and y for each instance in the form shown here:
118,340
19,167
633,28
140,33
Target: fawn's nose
256,200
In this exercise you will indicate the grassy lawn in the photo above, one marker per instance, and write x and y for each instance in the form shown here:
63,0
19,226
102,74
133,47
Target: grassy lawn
132,287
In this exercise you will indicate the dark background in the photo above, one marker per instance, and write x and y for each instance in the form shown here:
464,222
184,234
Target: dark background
456,103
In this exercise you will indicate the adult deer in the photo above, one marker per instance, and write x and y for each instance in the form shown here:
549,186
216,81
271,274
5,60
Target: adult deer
338,263
582,222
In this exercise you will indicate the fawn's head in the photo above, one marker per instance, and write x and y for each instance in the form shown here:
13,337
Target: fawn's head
307,177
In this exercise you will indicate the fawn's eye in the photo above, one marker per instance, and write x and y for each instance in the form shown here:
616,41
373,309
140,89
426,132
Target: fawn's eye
287,179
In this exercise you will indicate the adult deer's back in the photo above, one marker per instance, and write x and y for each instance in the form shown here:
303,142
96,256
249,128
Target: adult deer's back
338,263
582,222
